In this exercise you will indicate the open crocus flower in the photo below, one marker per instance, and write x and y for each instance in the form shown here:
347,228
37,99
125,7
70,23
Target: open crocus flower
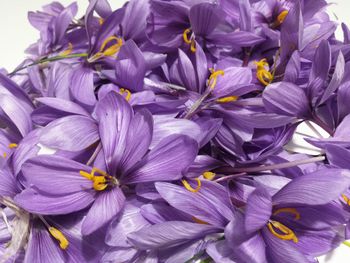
125,138
279,220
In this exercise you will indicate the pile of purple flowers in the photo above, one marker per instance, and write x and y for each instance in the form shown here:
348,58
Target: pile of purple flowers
159,132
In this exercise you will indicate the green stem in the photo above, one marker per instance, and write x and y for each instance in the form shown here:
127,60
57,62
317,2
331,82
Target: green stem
78,55
346,243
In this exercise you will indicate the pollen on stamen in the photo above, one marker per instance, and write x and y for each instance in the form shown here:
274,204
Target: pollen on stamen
127,92
190,41
59,236
13,145
190,188
209,175
287,233
263,75
213,78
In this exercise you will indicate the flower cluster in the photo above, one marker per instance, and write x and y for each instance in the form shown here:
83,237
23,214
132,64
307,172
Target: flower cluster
160,132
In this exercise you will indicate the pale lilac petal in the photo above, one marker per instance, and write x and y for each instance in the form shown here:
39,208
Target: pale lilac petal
72,133
82,85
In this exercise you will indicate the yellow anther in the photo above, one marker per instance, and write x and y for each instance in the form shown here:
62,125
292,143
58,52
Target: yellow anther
112,50
263,75
190,188
213,78
209,175
287,233
101,21
227,99
281,17
197,220
190,41
128,93
100,181
68,51
346,199
59,236
4,155
185,36
288,210
13,145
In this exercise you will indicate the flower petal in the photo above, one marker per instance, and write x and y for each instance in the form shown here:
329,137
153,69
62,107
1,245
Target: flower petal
106,206
317,188
167,161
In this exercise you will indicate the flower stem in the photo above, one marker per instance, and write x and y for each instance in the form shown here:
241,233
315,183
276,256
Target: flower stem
271,167
78,55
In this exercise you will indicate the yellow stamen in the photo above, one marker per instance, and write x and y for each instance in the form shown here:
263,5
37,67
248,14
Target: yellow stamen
101,21
213,78
13,145
281,17
100,181
263,75
190,188
4,155
58,235
197,220
209,175
227,99
288,234
128,93
190,41
112,50
346,199
68,51
185,37
288,210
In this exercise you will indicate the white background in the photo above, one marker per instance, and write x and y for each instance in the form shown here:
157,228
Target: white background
17,34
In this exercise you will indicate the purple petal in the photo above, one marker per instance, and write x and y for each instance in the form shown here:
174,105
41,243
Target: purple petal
82,85
72,133
134,21
282,251
286,99
56,175
169,234
258,210
130,68
317,188
63,105
205,17
106,206
167,161
130,220
114,115
195,204
38,203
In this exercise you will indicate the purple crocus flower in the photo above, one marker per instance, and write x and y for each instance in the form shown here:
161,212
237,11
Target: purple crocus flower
125,138
279,220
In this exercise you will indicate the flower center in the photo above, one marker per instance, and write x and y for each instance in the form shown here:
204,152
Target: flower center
346,199
110,51
189,40
100,181
213,78
209,175
263,75
283,232
281,17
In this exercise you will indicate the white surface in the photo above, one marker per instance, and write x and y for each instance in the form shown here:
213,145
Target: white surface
17,34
